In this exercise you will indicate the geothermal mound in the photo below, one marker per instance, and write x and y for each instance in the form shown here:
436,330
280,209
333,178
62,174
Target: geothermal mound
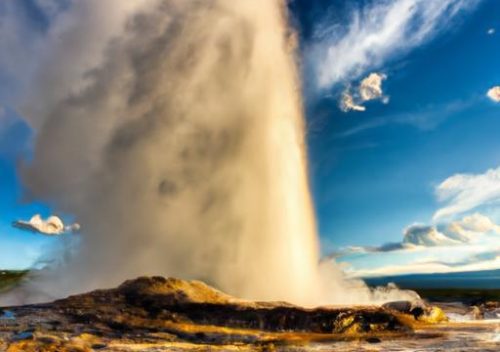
167,312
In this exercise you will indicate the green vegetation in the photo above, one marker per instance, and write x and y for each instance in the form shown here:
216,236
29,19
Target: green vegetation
9,278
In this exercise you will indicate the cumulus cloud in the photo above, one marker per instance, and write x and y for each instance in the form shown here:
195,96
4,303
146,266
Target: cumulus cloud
423,235
52,226
347,103
377,33
464,192
465,230
478,223
468,230
470,243
370,88
494,94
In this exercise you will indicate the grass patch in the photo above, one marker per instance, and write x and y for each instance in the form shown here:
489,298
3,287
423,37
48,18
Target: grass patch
10,278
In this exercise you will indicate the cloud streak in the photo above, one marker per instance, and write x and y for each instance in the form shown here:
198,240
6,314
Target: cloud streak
428,267
464,192
377,33
424,119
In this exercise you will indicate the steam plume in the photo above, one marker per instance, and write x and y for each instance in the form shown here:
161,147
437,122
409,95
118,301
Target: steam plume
181,151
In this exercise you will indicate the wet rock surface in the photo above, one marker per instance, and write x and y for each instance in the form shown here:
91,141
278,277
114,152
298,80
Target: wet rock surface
158,314
151,303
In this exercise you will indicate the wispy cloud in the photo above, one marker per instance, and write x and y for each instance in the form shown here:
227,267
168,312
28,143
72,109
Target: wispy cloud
52,226
377,33
426,118
428,267
464,192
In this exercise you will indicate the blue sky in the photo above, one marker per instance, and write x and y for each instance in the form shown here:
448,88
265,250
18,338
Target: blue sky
18,249
374,172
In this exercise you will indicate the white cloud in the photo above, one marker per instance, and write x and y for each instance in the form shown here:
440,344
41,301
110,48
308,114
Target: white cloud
491,31
478,223
470,229
426,267
494,94
466,230
370,88
52,226
347,103
428,236
471,243
464,192
377,33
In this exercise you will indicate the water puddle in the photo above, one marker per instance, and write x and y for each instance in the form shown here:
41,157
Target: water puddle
459,318
7,315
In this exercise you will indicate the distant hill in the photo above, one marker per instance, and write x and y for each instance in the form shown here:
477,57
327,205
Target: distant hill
488,279
9,278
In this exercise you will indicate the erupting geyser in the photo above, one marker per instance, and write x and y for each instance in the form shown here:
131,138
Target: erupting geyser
180,149
183,153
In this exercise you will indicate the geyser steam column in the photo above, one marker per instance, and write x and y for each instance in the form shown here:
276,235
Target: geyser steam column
182,153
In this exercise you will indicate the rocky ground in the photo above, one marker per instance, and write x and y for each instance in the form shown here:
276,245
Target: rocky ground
158,314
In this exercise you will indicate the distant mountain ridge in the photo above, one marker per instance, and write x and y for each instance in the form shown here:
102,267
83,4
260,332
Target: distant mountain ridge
487,279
